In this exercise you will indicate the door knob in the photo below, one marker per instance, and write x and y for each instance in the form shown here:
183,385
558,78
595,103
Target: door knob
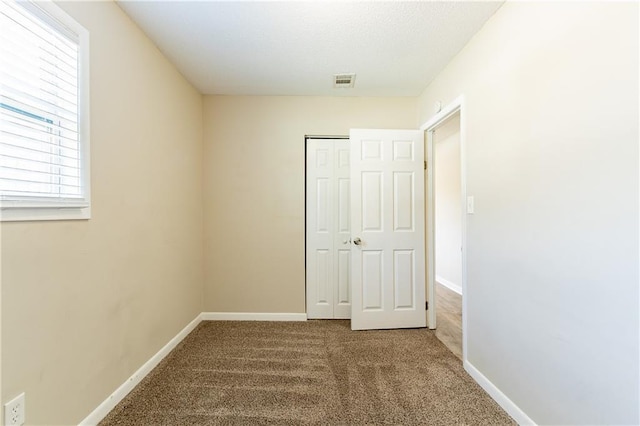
357,241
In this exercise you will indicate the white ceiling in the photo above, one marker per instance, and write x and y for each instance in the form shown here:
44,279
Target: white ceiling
294,48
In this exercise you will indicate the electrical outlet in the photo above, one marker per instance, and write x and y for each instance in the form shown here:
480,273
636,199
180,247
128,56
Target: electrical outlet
14,411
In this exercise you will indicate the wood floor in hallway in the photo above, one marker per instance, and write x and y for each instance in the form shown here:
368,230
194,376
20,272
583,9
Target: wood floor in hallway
449,319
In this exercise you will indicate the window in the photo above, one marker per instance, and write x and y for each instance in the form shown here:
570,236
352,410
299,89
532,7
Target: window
44,113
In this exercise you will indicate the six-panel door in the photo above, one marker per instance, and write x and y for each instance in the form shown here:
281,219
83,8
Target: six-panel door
387,211
328,251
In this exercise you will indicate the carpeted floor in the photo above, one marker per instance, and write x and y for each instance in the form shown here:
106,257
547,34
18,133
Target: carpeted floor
314,372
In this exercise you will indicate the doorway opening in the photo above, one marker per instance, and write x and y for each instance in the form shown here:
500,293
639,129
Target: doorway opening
448,233
446,224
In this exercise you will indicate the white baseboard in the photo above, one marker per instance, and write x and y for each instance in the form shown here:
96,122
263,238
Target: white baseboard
108,404
252,316
448,284
507,405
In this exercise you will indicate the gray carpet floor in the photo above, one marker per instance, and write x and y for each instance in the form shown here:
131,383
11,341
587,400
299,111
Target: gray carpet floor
307,373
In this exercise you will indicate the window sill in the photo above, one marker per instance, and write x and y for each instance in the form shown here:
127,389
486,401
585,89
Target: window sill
31,213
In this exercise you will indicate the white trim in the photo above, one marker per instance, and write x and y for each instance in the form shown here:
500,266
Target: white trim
457,106
430,231
444,113
503,401
108,404
252,316
28,214
448,284
463,203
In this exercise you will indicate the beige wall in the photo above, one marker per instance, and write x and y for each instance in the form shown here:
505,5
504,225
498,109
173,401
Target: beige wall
254,191
448,220
86,303
551,92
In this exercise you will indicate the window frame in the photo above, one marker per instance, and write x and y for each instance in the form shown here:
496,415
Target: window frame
37,209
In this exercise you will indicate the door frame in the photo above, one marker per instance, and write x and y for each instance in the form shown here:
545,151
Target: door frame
429,127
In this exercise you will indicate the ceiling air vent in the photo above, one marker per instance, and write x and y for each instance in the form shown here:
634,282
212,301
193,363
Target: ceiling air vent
344,80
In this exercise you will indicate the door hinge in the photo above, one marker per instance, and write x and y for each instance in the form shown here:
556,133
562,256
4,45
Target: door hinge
426,306
425,164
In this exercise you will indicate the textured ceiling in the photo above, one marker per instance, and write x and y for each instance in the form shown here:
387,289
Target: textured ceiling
294,48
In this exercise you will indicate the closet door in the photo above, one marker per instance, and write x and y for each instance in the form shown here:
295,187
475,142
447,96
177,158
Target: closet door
328,251
342,239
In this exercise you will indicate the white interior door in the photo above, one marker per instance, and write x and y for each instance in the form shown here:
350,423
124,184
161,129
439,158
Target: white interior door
387,220
328,250
342,233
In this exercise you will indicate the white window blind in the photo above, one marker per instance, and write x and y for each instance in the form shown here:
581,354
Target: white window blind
41,156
